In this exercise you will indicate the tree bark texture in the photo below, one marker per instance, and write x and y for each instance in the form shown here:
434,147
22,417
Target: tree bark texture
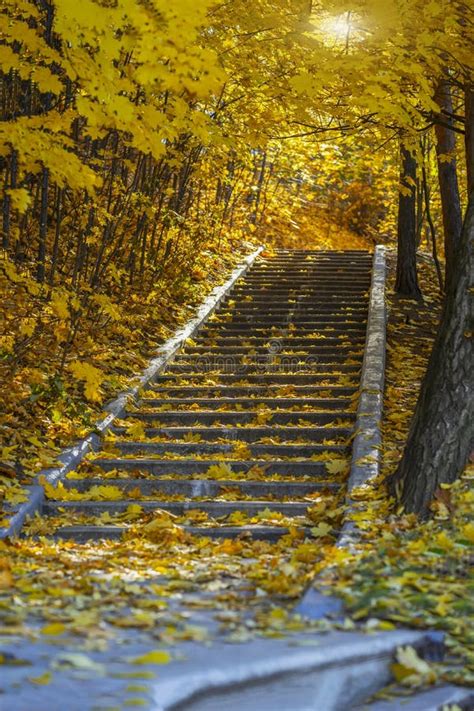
447,176
407,280
469,136
441,433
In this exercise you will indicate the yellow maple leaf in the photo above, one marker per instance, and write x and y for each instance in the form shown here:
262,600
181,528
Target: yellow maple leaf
104,493
20,199
59,305
58,492
337,466
133,511
27,326
54,628
443,541
468,532
136,430
411,670
219,471
42,679
157,656
190,437
91,376
322,529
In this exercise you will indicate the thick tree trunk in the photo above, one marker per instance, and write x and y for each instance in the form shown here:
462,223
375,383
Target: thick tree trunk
407,280
469,136
447,174
441,434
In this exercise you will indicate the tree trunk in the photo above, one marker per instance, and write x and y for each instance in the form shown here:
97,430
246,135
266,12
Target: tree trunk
43,226
407,280
441,434
434,248
7,200
447,175
469,136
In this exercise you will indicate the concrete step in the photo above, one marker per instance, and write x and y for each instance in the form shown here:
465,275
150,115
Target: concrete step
314,300
200,379
300,272
334,285
313,275
334,435
243,331
283,365
290,317
323,334
193,488
326,295
343,350
313,271
309,265
274,310
333,254
313,278
251,391
280,340
157,467
201,448
300,326
268,360
247,403
293,289
239,417
303,672
85,534
295,315
251,297
305,270
214,509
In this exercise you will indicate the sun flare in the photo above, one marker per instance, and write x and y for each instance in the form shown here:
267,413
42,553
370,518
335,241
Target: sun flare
337,27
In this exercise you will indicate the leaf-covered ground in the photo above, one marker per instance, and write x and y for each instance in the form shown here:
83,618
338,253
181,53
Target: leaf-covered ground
161,582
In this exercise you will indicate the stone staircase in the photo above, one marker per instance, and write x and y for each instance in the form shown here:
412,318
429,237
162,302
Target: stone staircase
258,403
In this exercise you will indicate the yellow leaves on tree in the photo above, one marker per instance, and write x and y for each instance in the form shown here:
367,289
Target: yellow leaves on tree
59,305
20,199
91,376
107,305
